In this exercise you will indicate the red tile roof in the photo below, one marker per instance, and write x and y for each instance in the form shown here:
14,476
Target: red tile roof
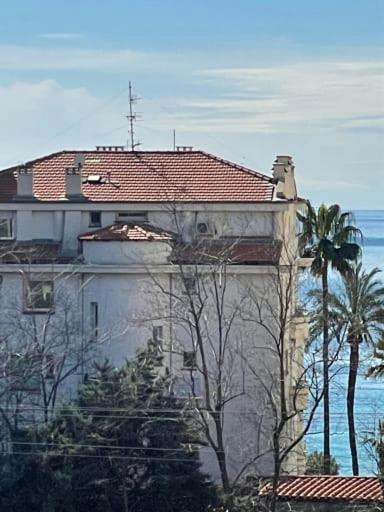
330,488
145,176
252,251
32,252
127,233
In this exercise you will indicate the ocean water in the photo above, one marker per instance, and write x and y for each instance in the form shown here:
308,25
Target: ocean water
369,407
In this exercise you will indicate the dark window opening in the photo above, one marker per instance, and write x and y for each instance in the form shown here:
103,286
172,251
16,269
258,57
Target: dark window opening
189,360
94,219
94,321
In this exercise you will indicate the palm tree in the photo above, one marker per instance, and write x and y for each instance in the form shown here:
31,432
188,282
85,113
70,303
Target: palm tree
377,370
360,307
329,238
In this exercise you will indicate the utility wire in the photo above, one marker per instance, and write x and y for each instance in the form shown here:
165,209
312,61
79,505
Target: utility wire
110,447
120,457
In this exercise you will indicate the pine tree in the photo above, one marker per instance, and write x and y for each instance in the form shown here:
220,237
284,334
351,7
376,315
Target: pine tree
124,444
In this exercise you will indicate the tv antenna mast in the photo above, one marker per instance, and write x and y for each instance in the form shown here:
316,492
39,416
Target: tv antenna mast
132,118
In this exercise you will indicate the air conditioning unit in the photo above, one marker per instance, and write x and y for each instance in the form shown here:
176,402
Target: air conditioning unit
205,229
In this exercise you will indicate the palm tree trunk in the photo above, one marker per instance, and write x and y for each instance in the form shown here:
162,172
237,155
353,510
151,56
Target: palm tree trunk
353,367
326,419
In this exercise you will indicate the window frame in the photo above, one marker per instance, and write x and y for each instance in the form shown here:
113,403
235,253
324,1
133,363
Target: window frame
190,285
18,382
29,306
190,364
158,340
94,320
92,224
132,216
9,220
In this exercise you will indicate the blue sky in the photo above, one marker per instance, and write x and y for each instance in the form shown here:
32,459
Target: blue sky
245,80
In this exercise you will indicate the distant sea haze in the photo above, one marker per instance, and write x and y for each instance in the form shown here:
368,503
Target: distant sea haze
369,406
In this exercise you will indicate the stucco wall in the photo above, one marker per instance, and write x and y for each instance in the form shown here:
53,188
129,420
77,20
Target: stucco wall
123,253
328,507
35,222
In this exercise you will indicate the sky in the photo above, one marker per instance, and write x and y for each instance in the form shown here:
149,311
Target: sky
246,80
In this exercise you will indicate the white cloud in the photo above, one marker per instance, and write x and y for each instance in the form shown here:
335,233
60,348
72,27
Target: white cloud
25,58
292,97
44,116
61,36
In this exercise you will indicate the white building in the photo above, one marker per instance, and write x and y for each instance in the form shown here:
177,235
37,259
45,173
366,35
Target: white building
102,226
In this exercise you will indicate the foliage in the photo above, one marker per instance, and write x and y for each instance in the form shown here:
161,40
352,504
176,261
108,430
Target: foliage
360,306
123,444
359,309
330,239
377,370
315,464
376,442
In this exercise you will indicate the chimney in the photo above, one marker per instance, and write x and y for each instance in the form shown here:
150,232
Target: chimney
73,178
184,148
110,148
24,183
283,172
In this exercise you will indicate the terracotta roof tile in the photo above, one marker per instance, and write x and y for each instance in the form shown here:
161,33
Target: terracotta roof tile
127,232
252,251
32,252
330,488
145,176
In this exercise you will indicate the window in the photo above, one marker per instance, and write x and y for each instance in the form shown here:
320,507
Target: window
158,336
205,228
39,296
189,360
186,388
94,320
6,229
132,216
50,366
24,373
190,284
94,219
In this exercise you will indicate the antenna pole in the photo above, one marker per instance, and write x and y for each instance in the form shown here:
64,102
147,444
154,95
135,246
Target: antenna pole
132,117
174,140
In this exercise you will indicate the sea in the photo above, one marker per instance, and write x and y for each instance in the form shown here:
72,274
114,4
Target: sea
369,406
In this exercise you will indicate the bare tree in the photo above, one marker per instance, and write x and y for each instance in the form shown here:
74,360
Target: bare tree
233,337
46,344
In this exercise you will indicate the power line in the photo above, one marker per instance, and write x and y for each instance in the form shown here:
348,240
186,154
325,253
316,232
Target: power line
84,456
110,447
80,120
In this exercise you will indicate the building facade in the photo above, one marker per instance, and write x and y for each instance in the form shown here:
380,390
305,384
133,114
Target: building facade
109,250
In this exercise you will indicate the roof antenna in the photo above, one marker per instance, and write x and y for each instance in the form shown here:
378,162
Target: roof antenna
132,117
174,139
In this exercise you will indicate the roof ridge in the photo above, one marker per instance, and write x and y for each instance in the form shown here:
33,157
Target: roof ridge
237,166
37,160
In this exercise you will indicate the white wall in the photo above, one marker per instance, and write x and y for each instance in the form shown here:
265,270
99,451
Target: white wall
125,253
66,225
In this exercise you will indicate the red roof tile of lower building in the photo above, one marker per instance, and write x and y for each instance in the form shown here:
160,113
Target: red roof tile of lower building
147,176
32,253
330,488
127,232
235,252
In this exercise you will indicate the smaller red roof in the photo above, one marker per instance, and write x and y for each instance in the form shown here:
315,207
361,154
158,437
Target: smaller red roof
250,251
127,232
329,488
32,253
